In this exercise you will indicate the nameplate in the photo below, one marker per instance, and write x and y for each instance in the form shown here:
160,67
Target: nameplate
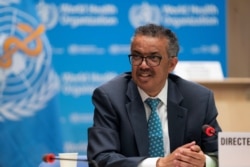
234,149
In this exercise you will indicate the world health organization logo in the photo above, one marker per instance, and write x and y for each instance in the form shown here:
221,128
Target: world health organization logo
143,14
48,14
27,81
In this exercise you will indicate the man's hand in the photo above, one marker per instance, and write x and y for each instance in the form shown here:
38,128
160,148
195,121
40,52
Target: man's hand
188,155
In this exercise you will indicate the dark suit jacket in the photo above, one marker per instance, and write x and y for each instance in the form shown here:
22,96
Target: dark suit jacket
119,136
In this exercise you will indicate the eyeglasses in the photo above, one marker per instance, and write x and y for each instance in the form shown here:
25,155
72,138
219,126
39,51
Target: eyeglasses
152,60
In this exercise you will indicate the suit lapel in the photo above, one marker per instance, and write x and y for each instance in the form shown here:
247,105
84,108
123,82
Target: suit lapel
177,116
137,117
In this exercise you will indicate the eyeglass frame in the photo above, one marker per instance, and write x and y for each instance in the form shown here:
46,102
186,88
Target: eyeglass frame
130,57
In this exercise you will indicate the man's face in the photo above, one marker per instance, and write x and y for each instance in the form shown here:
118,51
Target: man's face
151,79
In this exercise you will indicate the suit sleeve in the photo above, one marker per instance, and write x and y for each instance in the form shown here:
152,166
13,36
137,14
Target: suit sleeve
103,137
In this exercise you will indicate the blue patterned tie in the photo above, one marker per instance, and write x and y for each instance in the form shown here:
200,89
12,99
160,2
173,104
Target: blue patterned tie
156,148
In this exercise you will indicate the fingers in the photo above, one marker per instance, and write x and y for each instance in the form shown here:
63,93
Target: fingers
188,155
188,145
195,148
192,156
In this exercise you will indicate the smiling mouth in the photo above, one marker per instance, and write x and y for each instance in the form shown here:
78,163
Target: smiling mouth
144,75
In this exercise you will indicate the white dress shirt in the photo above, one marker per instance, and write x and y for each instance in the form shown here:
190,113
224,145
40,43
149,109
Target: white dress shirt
162,112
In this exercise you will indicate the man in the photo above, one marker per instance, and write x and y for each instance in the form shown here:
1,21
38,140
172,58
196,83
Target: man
120,134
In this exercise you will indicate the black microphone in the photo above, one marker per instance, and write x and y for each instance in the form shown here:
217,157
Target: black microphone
209,130
50,158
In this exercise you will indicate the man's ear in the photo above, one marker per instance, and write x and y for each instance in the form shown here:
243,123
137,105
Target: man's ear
172,63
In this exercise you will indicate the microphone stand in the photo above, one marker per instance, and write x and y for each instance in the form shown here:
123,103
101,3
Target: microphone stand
49,158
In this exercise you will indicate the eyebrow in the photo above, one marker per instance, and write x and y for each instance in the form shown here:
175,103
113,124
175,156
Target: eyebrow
152,53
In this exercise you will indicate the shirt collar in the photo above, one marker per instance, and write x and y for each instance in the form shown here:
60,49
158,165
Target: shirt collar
162,95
